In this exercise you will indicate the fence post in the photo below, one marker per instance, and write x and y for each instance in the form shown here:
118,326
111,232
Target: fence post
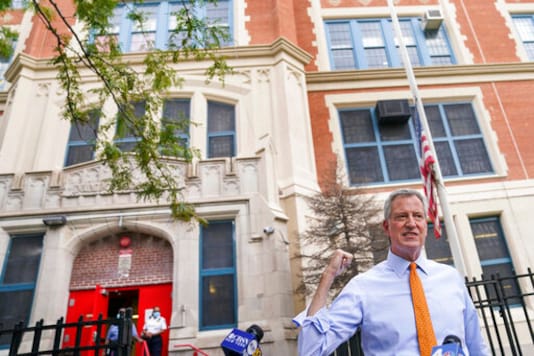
57,336
16,339
79,329
37,335
98,335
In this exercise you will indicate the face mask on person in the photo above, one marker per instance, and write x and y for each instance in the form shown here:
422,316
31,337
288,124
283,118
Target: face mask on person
118,316
156,314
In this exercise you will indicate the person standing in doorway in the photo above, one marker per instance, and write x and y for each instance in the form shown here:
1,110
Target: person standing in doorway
112,335
154,326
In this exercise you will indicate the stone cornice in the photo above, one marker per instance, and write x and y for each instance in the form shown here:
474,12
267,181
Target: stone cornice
425,75
276,48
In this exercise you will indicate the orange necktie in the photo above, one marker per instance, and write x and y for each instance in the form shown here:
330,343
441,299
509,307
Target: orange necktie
425,331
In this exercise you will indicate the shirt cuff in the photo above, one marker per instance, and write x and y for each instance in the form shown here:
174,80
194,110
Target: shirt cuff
299,319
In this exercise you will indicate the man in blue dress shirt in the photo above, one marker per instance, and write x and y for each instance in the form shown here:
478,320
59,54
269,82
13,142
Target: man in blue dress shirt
379,300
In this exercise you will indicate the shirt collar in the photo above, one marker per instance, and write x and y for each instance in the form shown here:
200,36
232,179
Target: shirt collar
401,266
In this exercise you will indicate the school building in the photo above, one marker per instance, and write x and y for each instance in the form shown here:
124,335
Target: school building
313,81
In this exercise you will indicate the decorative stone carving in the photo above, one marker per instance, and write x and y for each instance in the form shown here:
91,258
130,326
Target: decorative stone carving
43,89
231,187
264,75
14,202
210,175
86,185
90,180
248,171
296,75
35,189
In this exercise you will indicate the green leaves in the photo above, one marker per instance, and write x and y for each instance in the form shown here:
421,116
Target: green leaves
8,38
153,148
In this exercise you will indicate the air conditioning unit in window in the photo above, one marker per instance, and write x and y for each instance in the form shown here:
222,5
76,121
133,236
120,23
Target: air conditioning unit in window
392,111
432,20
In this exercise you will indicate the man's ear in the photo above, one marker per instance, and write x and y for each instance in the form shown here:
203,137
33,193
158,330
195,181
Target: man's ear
385,226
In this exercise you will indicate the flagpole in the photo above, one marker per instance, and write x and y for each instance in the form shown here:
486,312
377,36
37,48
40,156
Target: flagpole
441,191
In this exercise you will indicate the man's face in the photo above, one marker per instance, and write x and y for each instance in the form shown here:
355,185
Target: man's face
406,227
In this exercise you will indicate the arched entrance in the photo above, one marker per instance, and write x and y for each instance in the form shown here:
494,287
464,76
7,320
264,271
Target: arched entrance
127,269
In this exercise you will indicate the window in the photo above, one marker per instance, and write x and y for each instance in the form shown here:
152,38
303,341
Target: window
81,145
125,137
438,250
143,37
221,130
524,25
218,15
494,255
18,4
17,281
159,22
218,289
370,43
175,122
386,153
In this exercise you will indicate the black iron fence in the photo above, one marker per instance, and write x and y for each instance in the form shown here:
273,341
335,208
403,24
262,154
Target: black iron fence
48,339
506,307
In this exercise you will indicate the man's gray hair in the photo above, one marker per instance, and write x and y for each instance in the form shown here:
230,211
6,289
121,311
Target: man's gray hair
403,193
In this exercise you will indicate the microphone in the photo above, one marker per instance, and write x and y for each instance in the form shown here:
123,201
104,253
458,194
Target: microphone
451,346
243,343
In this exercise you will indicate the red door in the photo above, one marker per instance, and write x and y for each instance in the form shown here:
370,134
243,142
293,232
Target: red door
87,304
156,295
91,303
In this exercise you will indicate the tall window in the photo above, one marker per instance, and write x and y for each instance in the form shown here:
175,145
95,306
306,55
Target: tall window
524,25
219,15
386,152
175,122
221,130
125,136
493,253
438,250
17,281
159,22
370,43
143,37
81,145
218,289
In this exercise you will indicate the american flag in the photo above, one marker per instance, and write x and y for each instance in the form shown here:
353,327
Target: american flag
426,166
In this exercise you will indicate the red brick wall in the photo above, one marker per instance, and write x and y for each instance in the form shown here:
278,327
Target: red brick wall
12,17
305,31
269,20
97,262
515,122
40,42
488,37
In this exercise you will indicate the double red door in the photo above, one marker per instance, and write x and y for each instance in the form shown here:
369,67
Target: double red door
91,303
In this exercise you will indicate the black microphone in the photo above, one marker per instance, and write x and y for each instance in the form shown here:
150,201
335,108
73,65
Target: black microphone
243,343
452,339
451,346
